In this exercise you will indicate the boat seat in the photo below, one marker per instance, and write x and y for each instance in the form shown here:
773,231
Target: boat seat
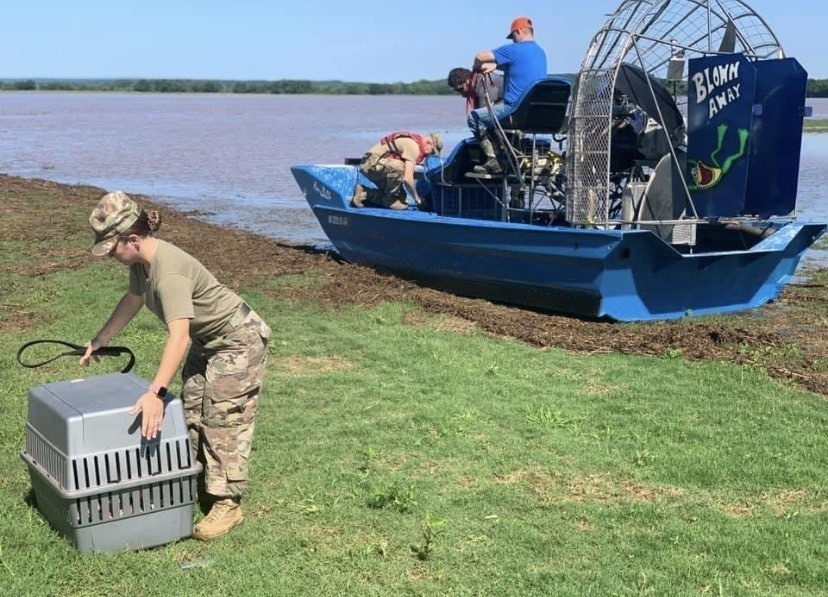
541,110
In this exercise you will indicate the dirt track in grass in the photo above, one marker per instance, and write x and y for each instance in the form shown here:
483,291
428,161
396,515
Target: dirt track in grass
787,338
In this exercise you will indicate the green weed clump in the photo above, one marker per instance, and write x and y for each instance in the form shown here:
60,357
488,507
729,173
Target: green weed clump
816,125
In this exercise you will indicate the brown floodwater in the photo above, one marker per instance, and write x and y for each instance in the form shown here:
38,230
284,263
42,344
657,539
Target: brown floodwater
228,156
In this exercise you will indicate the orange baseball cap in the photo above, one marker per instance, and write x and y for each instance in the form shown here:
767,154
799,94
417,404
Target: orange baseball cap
519,23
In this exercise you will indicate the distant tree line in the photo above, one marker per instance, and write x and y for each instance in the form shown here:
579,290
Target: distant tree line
815,88
284,86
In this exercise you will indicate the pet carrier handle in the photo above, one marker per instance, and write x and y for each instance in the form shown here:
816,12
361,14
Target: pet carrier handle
77,350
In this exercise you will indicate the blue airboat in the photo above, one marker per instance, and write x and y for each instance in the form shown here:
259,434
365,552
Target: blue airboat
659,182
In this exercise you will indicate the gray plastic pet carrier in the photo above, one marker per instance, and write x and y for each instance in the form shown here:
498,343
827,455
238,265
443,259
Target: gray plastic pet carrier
95,479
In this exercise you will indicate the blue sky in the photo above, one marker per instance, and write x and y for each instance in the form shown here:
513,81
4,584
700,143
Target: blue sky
362,40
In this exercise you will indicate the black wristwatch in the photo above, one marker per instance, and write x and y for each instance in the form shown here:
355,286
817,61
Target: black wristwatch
161,393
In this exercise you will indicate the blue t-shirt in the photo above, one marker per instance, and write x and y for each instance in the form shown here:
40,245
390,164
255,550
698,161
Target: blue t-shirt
522,63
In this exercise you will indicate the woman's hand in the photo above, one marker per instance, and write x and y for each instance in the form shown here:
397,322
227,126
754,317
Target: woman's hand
149,404
123,313
151,408
91,347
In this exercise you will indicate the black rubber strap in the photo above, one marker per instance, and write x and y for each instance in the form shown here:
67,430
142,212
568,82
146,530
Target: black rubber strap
77,350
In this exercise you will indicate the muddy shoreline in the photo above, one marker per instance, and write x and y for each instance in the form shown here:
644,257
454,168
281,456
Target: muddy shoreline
786,338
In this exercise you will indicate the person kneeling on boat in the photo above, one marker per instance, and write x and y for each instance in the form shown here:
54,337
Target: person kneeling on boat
390,166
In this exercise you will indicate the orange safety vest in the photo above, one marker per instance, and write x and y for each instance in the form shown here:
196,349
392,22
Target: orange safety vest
390,139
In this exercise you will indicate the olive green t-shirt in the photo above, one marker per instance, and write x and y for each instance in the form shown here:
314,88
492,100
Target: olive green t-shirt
177,286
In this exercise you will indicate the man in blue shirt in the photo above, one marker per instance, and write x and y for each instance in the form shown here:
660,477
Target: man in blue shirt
522,62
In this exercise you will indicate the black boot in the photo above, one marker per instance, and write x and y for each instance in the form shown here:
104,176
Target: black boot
491,166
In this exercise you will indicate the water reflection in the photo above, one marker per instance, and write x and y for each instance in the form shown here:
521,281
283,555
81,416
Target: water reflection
812,194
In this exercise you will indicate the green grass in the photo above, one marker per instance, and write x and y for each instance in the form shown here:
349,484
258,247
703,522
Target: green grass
816,125
398,459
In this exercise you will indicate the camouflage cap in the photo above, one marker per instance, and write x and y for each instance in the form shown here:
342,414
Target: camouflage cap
112,216
436,141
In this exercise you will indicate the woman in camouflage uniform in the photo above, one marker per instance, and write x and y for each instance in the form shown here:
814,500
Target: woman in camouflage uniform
223,368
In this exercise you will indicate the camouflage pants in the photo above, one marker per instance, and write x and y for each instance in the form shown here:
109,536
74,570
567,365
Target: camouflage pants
222,382
387,174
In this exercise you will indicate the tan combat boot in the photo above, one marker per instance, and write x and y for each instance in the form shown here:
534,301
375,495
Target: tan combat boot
224,515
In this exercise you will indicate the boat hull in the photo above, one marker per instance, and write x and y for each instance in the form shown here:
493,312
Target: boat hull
620,275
